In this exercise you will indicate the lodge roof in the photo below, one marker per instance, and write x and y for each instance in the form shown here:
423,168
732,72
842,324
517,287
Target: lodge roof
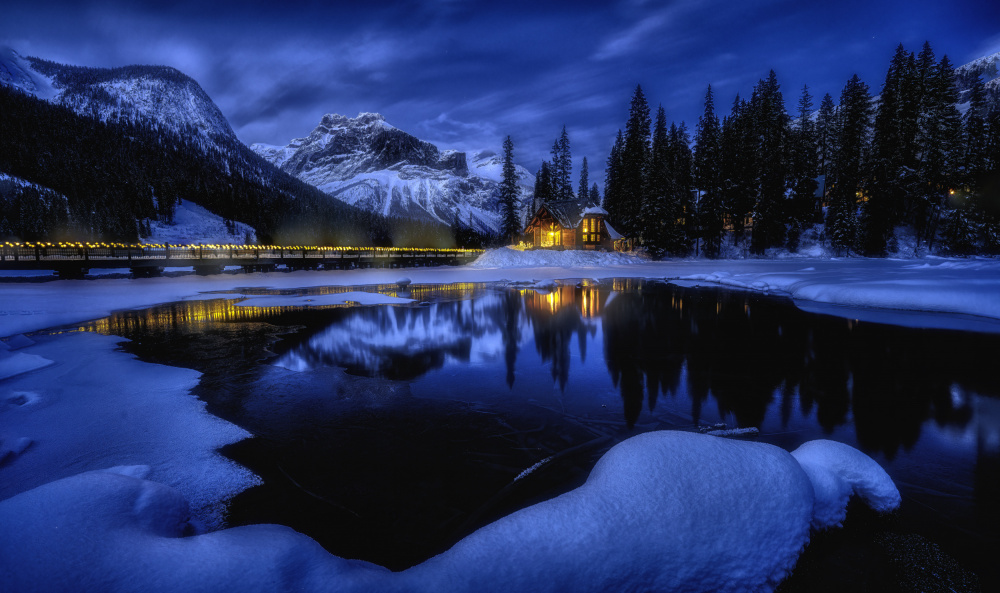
569,213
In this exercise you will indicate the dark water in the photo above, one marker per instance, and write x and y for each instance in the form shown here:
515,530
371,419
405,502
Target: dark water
389,432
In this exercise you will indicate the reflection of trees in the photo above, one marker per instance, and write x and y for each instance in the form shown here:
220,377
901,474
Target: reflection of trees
556,317
642,347
743,350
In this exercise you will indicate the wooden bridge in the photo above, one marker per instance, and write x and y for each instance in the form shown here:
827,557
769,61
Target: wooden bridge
74,260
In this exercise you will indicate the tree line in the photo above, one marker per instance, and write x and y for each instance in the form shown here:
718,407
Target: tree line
861,167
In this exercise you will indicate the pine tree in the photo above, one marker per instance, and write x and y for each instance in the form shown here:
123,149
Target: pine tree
826,146
939,141
561,169
543,184
853,124
634,164
889,177
658,217
613,182
681,164
803,170
583,192
595,195
771,126
511,225
739,167
706,178
988,198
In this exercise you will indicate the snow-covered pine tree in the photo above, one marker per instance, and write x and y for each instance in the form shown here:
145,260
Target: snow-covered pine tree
706,178
511,225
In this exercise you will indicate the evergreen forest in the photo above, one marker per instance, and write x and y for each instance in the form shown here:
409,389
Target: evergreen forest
923,155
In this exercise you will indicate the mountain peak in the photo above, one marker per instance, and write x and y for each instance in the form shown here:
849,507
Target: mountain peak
334,121
369,163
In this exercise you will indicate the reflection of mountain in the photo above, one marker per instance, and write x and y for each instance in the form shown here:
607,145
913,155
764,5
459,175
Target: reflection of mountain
402,342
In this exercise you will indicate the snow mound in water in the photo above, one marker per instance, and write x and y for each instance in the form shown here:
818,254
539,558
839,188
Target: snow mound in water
837,471
505,257
664,511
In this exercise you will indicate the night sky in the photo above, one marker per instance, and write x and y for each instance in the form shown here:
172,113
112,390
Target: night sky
464,74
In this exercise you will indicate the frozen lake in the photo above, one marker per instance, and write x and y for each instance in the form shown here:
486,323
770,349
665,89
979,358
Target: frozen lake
389,432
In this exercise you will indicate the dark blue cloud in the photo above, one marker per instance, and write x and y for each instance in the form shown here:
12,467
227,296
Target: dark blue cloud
464,74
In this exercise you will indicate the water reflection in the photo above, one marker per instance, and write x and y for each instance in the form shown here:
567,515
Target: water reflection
727,354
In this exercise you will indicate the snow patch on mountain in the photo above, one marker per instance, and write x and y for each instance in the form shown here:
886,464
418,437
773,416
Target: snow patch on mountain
17,72
194,225
366,162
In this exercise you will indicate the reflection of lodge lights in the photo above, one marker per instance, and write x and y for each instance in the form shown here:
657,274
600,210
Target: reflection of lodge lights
554,300
589,303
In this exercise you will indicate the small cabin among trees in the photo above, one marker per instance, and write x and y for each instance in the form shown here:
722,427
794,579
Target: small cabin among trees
567,224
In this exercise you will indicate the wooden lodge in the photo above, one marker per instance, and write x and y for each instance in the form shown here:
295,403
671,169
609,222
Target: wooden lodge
567,224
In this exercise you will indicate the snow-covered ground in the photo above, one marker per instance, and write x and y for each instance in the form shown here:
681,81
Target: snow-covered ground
67,417
648,518
959,292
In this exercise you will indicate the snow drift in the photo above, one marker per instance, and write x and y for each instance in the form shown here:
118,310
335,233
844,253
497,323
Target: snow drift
665,511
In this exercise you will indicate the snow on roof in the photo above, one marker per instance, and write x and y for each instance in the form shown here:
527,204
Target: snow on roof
615,235
656,495
595,210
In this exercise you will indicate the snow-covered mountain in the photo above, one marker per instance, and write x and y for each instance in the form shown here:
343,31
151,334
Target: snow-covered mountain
157,94
368,163
986,68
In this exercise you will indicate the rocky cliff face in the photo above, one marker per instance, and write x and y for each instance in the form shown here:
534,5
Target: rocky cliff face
366,162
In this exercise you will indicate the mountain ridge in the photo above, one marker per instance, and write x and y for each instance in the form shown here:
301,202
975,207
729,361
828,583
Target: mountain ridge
369,163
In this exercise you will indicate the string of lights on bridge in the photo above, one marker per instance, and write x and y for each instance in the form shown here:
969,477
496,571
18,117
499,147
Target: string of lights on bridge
218,246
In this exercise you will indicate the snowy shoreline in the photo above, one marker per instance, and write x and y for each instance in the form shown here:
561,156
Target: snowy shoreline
960,293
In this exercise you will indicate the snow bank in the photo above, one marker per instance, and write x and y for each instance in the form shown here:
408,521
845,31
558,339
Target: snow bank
505,257
965,287
665,511
94,407
15,363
